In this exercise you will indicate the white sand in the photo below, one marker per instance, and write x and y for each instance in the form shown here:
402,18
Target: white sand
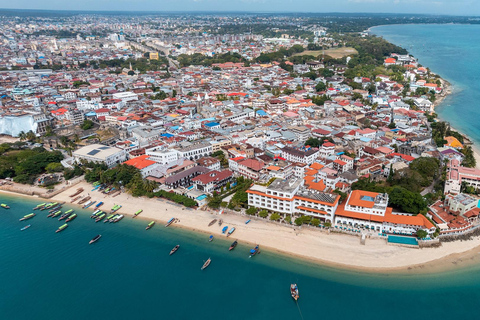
328,248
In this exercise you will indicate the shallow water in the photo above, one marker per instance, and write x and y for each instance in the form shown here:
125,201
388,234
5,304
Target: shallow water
128,274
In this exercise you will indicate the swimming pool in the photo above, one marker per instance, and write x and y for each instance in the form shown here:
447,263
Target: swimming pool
403,240
203,196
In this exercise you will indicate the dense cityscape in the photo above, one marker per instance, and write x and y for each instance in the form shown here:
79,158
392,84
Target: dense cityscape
287,120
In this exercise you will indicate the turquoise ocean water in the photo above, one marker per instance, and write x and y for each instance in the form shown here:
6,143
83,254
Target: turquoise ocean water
451,51
128,274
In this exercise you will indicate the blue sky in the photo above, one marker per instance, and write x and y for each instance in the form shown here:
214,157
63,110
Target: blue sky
452,7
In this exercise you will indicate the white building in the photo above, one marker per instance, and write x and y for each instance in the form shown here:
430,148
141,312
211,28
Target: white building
162,156
297,155
288,197
370,210
99,153
194,151
125,96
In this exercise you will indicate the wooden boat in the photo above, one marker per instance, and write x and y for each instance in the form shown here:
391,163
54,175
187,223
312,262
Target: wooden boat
26,227
87,205
294,291
95,239
73,216
56,214
254,251
169,223
61,228
100,217
137,213
230,231
220,222
4,206
210,239
174,249
39,206
79,190
151,224
206,264
75,199
233,245
224,229
115,208
117,218
107,219
28,216
212,222
84,200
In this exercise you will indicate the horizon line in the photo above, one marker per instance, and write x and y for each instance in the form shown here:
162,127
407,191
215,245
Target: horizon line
242,11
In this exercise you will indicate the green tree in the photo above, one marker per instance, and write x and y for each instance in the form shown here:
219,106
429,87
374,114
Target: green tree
275,217
87,124
251,211
54,167
320,86
263,213
421,234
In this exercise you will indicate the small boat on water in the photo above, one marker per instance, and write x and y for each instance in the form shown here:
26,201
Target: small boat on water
100,217
248,221
61,228
56,214
98,204
232,230
174,249
108,218
254,251
26,227
233,245
224,229
73,216
210,239
151,224
220,222
39,206
117,218
95,213
28,216
212,222
137,213
49,206
64,216
206,263
4,206
294,291
172,220
57,207
95,239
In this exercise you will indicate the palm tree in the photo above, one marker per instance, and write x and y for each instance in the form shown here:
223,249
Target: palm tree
150,185
30,135
22,135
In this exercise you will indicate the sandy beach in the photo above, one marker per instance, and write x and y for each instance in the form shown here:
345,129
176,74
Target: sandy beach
339,250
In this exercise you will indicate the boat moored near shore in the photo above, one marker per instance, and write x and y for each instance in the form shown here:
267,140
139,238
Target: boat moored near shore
28,216
150,225
233,245
4,206
61,228
232,230
137,213
172,220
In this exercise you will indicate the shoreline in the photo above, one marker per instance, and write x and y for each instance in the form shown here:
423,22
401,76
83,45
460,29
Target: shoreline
335,250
